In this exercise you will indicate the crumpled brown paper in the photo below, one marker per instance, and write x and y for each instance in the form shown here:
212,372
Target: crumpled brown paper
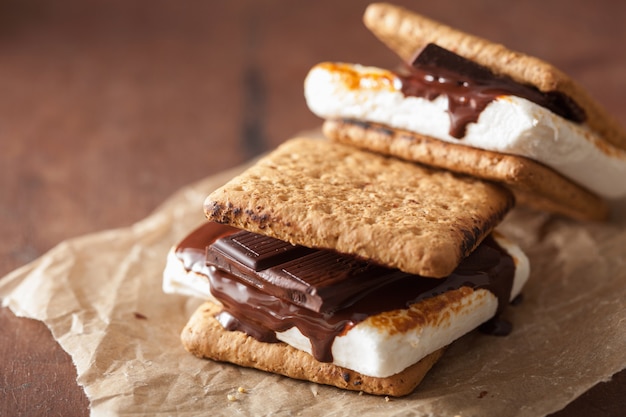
101,297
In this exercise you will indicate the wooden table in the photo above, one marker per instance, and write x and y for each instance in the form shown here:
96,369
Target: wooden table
108,108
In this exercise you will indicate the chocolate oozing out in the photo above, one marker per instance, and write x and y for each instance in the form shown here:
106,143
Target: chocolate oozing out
319,280
261,315
192,249
470,87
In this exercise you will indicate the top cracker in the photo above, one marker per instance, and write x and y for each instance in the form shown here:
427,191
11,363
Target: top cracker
406,33
329,195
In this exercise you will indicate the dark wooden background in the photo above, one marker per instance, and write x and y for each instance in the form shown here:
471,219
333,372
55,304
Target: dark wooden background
108,107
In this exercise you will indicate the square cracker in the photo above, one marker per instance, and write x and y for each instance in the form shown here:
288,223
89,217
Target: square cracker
325,194
406,32
533,184
204,337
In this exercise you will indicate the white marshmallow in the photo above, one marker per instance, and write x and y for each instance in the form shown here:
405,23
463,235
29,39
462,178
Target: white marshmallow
509,124
189,280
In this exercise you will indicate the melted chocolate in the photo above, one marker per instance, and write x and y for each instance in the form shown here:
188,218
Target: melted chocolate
192,249
470,87
496,326
260,315
320,280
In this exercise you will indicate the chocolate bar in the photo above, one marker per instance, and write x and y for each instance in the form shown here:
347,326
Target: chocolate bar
319,280
470,87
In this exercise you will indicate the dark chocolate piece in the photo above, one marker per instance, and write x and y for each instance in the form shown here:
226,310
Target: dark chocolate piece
433,56
254,251
320,280
470,87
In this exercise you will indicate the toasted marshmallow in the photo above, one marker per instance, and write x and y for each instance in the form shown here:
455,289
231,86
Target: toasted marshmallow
509,124
386,343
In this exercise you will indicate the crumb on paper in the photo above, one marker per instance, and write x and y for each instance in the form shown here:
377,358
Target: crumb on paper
242,390
231,397
387,399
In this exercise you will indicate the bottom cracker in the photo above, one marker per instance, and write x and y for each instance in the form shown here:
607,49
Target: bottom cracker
533,184
204,337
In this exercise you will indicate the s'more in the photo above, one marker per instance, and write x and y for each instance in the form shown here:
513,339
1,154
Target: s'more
340,266
354,262
466,104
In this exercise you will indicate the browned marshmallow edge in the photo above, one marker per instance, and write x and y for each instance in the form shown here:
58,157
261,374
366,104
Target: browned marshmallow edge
534,184
204,337
323,194
406,32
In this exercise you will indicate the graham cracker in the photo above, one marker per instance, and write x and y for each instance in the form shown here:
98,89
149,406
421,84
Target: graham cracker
324,194
533,184
204,337
406,32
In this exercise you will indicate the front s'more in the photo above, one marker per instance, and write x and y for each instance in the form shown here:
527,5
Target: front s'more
339,266
502,115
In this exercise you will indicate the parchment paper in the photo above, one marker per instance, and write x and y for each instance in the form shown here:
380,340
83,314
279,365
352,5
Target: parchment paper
101,297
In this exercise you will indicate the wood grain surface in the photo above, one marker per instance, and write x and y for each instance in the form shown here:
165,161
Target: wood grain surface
108,107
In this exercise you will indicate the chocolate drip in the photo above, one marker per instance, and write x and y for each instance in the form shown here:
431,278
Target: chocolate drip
260,315
470,87
496,326
192,249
